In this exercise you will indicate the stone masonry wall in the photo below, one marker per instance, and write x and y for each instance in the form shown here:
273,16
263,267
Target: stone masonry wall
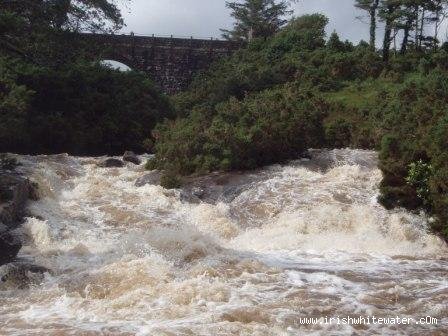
170,62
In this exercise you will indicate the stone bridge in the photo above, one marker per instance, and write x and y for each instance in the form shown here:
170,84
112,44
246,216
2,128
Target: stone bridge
170,62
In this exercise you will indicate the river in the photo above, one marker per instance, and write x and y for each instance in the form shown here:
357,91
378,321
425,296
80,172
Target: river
306,239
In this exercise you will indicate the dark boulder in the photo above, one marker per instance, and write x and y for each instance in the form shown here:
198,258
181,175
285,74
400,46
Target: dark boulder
15,191
112,163
192,195
152,178
10,246
306,155
131,157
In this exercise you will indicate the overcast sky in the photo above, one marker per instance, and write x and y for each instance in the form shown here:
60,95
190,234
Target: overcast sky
204,18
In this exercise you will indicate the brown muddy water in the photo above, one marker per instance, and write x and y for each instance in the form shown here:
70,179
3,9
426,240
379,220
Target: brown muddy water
270,248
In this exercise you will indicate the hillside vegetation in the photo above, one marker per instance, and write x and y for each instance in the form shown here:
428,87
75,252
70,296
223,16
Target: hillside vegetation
295,90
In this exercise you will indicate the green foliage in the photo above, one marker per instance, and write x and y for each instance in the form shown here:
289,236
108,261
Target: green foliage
271,126
264,104
338,133
419,175
170,180
14,104
83,109
414,151
39,32
55,99
256,18
292,91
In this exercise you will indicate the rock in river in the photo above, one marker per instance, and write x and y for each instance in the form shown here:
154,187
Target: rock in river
112,163
15,191
131,157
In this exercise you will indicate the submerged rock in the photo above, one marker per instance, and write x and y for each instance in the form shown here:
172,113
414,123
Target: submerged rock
112,163
21,275
152,178
131,157
216,187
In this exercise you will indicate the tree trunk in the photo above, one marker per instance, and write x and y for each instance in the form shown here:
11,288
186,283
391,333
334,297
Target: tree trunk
416,11
406,33
388,33
422,29
373,13
386,41
436,29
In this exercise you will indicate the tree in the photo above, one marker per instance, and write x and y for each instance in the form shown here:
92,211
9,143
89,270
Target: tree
415,16
29,29
389,13
371,6
440,15
256,18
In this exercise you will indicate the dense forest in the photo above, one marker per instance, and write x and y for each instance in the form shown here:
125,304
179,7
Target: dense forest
291,88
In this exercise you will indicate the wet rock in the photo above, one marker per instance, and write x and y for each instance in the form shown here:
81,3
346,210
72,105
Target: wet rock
306,155
112,163
131,157
3,228
193,195
21,275
152,178
216,187
198,192
10,246
15,191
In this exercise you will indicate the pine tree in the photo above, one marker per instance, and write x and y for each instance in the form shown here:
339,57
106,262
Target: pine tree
256,18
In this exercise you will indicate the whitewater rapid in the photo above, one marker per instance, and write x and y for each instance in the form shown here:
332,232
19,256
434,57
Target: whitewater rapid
306,239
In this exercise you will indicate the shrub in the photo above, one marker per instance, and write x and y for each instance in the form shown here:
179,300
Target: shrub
170,180
83,109
338,133
264,128
419,175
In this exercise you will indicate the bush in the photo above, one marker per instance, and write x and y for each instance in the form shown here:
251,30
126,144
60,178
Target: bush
338,133
413,155
264,128
419,175
170,180
83,109
14,106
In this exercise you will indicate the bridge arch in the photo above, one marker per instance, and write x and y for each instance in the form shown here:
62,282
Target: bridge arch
116,65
